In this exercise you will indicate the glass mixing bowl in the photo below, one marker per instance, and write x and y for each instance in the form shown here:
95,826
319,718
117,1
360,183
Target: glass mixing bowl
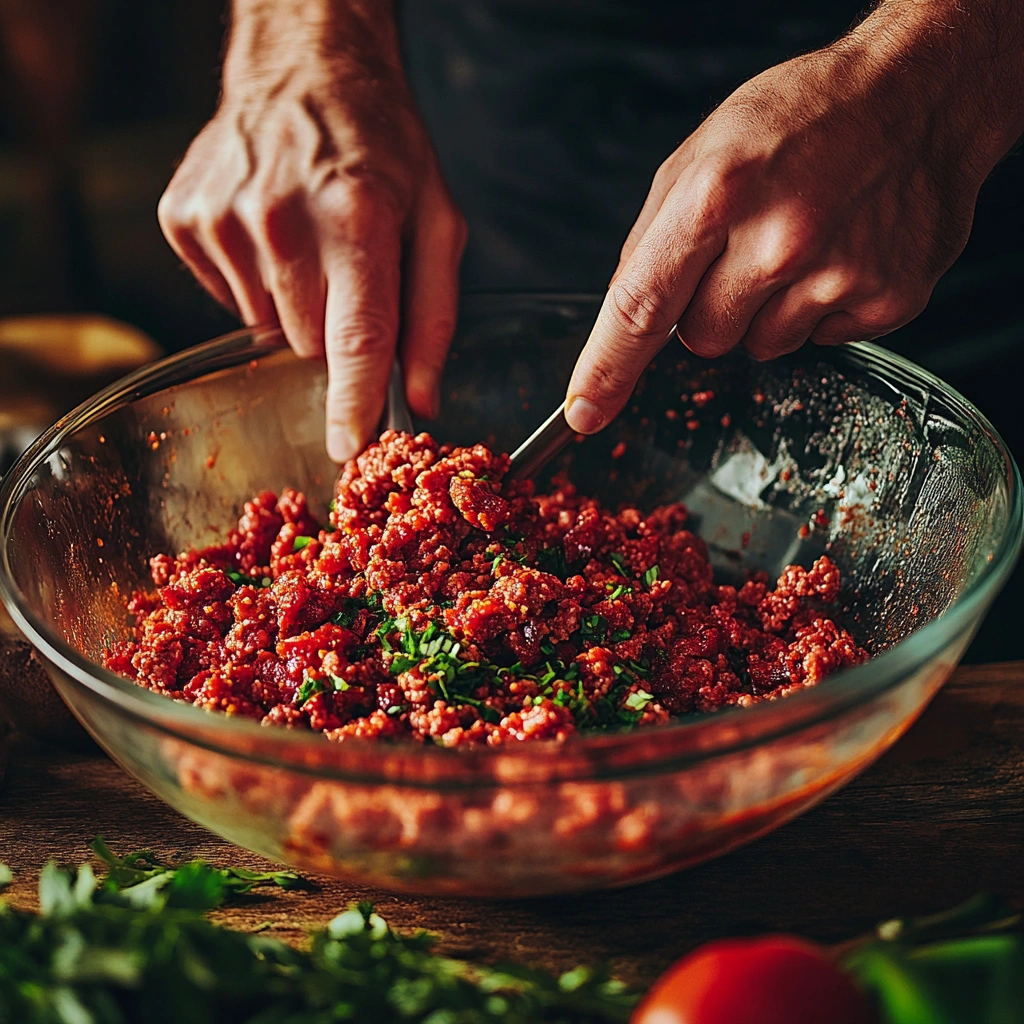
854,451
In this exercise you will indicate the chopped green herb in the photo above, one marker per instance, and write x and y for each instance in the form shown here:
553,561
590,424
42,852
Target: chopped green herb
143,880
619,561
127,949
349,610
310,687
620,635
593,628
301,542
552,560
650,575
337,682
639,700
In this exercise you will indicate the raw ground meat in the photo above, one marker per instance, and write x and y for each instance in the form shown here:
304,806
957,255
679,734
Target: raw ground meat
442,603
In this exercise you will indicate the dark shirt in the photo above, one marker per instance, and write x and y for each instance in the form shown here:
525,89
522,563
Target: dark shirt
551,116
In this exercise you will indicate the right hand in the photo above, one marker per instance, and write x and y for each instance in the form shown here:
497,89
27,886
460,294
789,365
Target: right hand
314,199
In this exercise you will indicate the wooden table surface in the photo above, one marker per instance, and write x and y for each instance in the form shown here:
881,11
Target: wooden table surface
937,819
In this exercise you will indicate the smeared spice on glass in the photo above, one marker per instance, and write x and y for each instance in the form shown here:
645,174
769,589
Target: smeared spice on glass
444,603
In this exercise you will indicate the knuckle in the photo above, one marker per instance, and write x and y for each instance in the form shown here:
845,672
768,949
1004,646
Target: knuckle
787,243
607,377
438,333
460,231
709,329
363,194
450,228
182,211
709,179
361,337
168,211
636,311
837,285
891,308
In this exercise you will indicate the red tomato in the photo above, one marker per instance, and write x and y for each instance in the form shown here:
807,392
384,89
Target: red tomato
775,979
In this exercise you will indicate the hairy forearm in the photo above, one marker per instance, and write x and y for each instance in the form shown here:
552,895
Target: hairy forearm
959,62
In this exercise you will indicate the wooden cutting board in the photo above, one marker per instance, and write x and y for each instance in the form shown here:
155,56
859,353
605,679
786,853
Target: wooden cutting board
937,819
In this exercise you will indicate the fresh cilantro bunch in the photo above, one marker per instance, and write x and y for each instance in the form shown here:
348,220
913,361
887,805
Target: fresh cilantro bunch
137,947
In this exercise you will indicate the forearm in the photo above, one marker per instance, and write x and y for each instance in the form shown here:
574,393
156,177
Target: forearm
960,63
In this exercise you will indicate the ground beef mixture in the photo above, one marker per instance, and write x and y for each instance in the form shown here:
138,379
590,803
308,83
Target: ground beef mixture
444,603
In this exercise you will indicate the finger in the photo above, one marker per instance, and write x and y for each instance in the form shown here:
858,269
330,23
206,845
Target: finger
203,269
652,204
182,239
293,271
782,324
363,270
840,328
789,318
229,245
726,301
430,302
870,318
639,310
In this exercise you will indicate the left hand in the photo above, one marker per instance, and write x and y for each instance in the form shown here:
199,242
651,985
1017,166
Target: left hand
821,201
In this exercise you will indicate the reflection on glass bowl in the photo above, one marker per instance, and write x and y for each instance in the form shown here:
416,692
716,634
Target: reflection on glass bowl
853,451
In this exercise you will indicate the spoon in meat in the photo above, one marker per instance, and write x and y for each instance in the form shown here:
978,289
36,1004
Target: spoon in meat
539,448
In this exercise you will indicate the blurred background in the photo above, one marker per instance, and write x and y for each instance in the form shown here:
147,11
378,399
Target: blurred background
550,117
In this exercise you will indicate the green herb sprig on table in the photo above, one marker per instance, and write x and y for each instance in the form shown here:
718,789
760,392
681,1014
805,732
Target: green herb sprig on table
129,951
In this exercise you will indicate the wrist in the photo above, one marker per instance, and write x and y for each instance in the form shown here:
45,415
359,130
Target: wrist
956,76
352,39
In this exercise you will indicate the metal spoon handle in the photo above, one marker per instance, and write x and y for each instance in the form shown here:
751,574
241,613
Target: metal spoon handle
396,411
543,444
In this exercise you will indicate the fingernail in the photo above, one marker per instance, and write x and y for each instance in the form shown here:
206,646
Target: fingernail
424,393
342,444
583,416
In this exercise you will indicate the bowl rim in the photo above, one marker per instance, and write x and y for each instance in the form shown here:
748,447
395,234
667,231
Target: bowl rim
703,736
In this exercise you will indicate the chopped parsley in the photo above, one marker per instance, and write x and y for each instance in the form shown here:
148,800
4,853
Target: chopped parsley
619,561
301,542
639,700
349,610
552,560
593,628
311,686
650,576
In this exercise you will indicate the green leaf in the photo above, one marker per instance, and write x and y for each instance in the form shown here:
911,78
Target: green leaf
301,542
638,700
56,898
902,992
650,575
311,686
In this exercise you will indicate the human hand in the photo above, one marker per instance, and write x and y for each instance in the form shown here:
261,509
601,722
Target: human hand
821,201
313,198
